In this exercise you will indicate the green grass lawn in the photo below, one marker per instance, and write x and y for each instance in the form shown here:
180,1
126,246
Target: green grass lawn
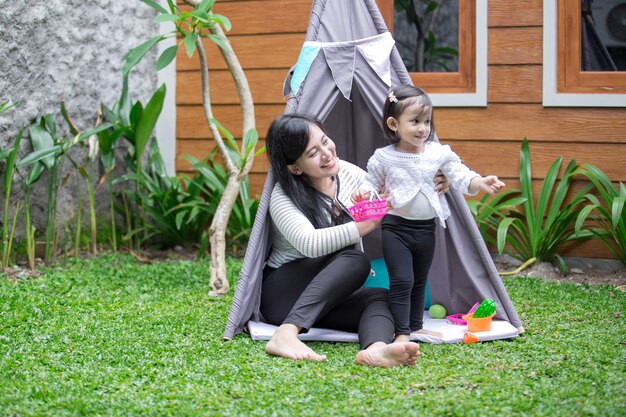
111,337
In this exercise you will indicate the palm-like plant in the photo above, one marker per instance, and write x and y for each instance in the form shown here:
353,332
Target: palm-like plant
610,219
540,229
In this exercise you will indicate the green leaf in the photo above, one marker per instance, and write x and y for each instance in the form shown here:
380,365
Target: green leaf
220,41
201,16
42,140
526,185
617,210
166,57
162,18
94,130
39,156
432,6
66,116
35,173
155,6
222,20
172,6
135,55
125,103
205,5
190,43
230,140
10,165
147,121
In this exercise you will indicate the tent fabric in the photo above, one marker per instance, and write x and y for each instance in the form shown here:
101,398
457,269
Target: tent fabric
462,271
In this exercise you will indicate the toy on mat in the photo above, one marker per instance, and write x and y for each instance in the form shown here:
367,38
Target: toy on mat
480,320
458,318
369,209
437,311
486,308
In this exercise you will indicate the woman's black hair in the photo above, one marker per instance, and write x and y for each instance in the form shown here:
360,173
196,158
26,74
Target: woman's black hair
398,100
286,140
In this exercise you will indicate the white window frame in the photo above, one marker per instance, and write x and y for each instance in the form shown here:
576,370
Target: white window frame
552,98
479,97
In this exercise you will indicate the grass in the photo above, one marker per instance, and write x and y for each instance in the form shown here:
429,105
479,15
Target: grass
111,337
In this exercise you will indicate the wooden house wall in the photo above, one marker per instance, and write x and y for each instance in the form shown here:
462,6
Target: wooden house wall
267,36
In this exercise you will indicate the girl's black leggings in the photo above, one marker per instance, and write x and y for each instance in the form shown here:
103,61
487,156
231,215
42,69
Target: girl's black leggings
327,292
408,248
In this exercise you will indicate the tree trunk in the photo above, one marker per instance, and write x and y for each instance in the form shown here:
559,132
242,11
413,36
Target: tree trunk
217,231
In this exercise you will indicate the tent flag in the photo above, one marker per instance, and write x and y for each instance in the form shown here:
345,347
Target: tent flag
345,86
340,57
307,55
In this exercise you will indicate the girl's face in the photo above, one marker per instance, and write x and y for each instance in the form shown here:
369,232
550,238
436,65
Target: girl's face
319,159
412,127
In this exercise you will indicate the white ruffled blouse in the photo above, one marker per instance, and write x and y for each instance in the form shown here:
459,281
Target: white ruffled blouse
404,174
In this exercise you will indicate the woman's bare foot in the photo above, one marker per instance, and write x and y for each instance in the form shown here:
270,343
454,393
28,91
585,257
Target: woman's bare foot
428,333
388,355
285,343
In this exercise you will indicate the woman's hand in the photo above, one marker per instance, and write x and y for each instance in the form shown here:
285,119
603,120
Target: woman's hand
368,226
442,185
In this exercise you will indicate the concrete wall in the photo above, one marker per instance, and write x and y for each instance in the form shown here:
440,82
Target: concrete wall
70,48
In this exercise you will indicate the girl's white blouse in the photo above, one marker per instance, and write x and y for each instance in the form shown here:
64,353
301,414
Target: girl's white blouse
404,174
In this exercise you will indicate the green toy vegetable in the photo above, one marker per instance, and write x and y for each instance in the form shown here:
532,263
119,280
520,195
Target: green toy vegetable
486,308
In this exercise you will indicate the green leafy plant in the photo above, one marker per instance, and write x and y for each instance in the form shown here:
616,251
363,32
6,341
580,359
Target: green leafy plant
489,211
10,156
424,49
135,123
542,227
177,208
609,222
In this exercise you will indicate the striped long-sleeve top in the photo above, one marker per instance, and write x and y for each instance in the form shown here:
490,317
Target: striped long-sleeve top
294,234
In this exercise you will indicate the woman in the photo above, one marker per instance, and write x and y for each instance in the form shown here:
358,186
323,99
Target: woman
316,269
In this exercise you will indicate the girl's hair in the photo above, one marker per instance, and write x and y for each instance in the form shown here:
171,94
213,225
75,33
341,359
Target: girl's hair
397,101
286,140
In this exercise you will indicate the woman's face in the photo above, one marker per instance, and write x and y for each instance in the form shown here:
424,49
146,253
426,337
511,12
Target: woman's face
319,159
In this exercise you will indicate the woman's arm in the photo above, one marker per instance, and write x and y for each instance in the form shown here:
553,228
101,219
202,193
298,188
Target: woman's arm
303,236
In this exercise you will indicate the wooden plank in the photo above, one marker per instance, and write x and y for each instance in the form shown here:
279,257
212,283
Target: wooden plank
502,158
525,12
278,50
515,84
191,124
514,122
515,45
266,86
201,148
256,17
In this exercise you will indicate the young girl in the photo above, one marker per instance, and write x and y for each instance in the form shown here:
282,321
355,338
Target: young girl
405,169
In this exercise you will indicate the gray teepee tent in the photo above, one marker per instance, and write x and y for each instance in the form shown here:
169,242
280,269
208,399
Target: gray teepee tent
346,67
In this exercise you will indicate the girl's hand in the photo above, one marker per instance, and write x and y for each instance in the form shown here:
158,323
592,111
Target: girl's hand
491,185
359,195
442,185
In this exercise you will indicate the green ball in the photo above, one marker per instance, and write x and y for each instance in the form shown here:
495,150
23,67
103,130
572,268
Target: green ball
437,311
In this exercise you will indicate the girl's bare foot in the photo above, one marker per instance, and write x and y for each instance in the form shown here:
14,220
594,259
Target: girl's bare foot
388,355
285,343
429,333
402,338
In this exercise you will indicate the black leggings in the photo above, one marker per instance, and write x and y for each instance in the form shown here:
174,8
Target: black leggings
327,292
408,248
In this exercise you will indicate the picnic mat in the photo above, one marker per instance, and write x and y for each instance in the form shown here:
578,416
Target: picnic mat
452,333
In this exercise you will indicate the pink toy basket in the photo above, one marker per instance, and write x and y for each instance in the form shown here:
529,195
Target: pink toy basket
369,209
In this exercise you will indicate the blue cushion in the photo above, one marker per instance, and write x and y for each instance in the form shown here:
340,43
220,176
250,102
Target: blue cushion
381,279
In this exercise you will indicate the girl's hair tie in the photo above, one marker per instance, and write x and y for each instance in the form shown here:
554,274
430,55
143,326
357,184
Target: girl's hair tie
392,97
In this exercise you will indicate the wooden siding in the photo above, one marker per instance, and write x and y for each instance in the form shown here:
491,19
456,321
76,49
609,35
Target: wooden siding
267,36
